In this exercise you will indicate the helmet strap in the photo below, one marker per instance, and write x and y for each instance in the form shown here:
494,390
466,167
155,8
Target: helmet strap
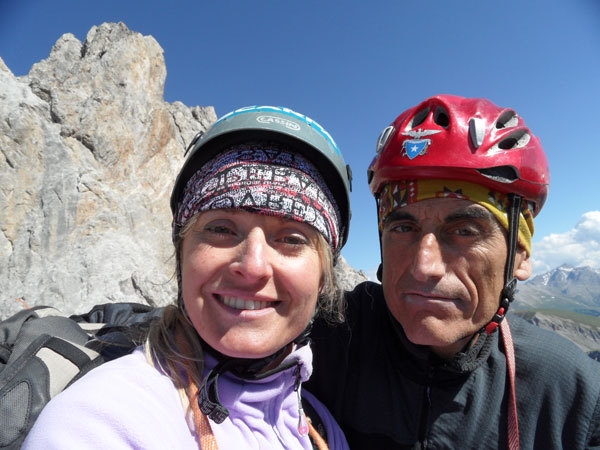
380,268
510,282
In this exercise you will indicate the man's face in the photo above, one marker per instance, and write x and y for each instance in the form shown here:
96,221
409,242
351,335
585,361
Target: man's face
443,270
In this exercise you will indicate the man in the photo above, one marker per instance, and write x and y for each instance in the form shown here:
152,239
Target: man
428,359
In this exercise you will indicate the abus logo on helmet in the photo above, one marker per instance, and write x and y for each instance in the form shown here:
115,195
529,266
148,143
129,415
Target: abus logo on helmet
417,146
290,125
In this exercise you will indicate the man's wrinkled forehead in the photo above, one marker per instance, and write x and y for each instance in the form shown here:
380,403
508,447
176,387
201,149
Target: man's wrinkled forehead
398,195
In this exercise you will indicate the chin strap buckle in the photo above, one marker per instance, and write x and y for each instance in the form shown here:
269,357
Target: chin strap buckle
508,295
208,397
495,322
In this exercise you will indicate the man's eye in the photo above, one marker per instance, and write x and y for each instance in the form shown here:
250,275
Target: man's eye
463,232
466,231
400,227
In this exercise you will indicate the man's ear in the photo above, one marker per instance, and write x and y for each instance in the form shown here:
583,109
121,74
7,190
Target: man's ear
523,268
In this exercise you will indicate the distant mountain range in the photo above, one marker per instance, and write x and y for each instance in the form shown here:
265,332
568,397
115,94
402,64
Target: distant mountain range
567,301
575,289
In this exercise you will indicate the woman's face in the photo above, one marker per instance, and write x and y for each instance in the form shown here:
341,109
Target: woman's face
250,282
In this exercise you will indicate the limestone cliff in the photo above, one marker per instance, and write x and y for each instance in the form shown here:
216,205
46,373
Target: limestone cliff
89,150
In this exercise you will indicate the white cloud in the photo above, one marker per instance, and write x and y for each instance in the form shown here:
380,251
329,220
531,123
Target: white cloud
577,247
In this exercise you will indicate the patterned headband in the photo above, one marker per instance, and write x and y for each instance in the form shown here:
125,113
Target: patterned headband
266,178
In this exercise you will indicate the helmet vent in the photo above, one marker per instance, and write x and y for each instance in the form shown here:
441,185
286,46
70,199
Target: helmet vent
508,119
441,117
383,138
503,174
476,131
419,118
517,139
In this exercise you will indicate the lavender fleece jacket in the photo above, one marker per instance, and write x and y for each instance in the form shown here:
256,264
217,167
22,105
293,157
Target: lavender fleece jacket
129,404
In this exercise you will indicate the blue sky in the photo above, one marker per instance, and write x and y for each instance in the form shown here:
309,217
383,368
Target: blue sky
354,66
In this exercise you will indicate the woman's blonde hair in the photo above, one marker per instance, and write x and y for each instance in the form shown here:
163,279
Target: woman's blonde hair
174,345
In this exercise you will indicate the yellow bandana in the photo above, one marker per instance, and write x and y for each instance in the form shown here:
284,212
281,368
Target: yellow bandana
401,193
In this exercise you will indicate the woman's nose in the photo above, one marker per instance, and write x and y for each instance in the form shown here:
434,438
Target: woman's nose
253,258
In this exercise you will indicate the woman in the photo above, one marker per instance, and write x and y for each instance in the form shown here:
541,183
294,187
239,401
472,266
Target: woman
260,214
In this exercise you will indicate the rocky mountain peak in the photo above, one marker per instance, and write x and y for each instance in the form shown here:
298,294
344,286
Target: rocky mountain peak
565,274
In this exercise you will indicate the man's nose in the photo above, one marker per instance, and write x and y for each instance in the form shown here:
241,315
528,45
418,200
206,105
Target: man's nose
428,261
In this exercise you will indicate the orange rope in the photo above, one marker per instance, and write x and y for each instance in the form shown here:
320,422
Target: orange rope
206,438
316,437
205,434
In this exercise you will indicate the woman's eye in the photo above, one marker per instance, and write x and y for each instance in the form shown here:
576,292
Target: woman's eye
218,229
293,239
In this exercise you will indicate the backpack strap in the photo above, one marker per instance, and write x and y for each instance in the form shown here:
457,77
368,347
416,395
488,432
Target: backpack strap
11,331
44,357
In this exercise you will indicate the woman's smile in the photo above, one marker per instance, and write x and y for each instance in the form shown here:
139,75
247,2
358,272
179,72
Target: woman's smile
245,304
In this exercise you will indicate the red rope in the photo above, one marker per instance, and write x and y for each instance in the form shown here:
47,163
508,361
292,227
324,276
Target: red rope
513,421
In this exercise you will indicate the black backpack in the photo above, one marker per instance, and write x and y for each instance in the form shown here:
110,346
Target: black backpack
43,351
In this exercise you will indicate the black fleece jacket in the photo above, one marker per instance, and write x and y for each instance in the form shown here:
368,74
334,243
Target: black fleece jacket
387,393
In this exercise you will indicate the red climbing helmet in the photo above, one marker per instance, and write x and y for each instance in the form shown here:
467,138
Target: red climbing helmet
470,139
